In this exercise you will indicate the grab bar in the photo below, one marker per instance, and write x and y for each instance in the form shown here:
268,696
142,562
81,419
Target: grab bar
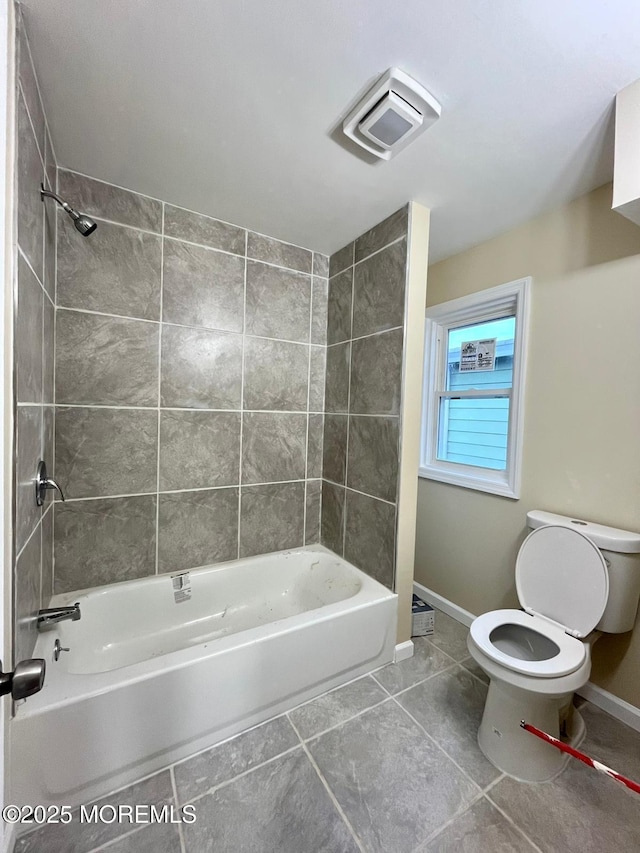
590,762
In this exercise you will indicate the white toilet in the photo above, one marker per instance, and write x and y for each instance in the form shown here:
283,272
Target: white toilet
571,577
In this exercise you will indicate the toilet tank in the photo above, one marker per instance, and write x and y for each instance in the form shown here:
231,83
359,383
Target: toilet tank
621,552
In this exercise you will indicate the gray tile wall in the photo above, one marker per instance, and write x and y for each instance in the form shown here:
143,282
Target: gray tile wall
365,310
34,291
190,375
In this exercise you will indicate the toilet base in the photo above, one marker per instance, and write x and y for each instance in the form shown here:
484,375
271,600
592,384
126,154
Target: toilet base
517,752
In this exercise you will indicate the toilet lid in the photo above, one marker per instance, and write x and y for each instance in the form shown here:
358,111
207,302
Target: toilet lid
562,575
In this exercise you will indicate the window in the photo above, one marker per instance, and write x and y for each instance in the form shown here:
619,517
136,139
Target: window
473,395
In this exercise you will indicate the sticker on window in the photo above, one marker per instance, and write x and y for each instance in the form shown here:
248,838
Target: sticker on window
478,355
181,587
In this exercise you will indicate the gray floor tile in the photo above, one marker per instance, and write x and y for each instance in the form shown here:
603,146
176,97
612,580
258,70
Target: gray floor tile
426,661
450,636
579,812
215,766
77,837
394,785
156,838
281,807
611,742
481,829
472,666
336,707
449,706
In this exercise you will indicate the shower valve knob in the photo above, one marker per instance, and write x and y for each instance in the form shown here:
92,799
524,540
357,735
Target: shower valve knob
43,483
26,679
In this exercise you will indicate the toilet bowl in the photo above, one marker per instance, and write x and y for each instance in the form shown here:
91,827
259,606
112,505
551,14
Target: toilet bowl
537,657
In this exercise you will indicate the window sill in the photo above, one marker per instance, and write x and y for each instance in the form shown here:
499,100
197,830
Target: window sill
480,483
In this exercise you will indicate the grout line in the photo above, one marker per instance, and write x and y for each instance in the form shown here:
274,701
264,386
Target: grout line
28,539
157,530
355,263
364,337
357,491
346,452
454,817
181,409
33,127
306,447
242,409
417,683
512,821
171,772
332,796
24,257
180,491
332,728
441,748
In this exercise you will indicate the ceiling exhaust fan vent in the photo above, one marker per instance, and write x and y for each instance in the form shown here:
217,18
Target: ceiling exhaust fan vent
392,113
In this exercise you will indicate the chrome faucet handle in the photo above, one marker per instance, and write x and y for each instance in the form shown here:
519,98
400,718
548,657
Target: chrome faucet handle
43,483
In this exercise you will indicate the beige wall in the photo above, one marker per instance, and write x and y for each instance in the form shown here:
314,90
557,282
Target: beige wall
582,414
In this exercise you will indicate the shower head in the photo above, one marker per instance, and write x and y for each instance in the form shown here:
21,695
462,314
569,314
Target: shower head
84,224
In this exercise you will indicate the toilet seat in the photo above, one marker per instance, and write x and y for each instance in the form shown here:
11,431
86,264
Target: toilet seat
570,657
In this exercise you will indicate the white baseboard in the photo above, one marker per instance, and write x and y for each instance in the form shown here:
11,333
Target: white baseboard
618,708
403,651
448,607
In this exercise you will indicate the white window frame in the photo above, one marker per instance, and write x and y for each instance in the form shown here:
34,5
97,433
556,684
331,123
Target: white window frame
504,300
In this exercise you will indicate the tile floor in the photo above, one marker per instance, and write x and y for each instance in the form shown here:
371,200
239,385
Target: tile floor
386,764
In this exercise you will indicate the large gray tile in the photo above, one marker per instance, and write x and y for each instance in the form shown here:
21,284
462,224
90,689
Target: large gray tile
115,271
320,265
282,807
370,536
470,665
376,374
106,451
314,446
385,232
199,450
197,528
106,201
426,661
103,541
579,812
450,636
200,368
28,454
611,741
317,378
30,173
334,457
202,287
271,518
273,447
337,378
195,228
312,516
378,291
27,597
449,707
81,837
27,78
341,259
336,707
278,303
106,360
319,305
46,590
48,352
480,829
276,375
28,344
373,456
339,307
394,785
156,838
332,523
233,757
273,251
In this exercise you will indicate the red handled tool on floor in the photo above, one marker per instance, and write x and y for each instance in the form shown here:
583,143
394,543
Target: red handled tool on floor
563,747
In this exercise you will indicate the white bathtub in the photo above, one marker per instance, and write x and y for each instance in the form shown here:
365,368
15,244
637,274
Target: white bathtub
149,680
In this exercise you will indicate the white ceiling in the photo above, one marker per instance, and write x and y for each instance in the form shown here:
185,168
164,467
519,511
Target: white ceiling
228,107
